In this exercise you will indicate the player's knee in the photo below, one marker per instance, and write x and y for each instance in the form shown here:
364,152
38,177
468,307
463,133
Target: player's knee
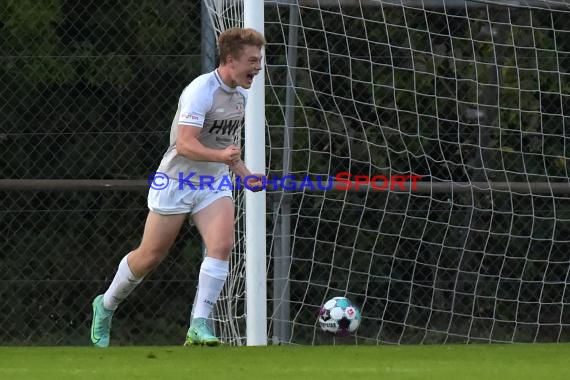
152,257
221,248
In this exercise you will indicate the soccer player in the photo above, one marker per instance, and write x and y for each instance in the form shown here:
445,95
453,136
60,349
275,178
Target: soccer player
203,133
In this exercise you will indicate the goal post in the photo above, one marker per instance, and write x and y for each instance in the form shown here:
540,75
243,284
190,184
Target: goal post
472,96
256,279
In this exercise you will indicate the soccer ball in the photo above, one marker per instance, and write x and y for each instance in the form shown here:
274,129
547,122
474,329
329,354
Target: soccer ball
339,316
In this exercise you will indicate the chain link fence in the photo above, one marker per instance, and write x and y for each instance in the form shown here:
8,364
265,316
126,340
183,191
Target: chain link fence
88,91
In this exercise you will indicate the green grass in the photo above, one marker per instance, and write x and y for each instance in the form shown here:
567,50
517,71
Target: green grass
457,362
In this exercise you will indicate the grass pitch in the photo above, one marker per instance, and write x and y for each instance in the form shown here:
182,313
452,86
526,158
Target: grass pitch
457,362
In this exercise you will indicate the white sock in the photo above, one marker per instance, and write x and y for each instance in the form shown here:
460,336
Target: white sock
123,284
213,274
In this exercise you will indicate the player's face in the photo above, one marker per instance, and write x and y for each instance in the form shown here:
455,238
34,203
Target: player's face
246,66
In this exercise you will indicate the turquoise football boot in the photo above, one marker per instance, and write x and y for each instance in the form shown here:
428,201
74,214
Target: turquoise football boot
101,324
199,334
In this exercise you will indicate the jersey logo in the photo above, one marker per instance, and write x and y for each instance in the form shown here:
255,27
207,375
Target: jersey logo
190,117
225,127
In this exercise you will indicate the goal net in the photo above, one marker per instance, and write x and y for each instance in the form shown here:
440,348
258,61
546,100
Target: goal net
474,97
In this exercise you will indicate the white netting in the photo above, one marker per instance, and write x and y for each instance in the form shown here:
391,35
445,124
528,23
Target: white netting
229,315
469,94
225,14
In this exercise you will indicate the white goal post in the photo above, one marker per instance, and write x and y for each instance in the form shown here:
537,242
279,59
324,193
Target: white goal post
256,278
474,97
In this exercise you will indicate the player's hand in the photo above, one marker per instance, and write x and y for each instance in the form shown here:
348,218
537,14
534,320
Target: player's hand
231,155
255,182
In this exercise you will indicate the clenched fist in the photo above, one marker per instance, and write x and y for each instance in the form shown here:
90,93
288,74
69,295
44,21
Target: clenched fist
231,154
254,182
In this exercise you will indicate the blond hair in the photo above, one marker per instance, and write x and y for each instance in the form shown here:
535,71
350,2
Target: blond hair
232,41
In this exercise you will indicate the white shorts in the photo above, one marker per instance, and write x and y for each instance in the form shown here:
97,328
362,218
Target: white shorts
174,200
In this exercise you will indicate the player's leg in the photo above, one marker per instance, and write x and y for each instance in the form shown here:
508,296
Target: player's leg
216,226
159,235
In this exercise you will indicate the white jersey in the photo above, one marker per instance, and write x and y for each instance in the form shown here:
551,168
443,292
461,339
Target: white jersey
219,110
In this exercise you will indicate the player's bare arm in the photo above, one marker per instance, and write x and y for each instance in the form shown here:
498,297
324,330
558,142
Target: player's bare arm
239,168
188,145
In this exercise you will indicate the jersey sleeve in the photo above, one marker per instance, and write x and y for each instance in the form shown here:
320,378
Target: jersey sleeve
195,102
